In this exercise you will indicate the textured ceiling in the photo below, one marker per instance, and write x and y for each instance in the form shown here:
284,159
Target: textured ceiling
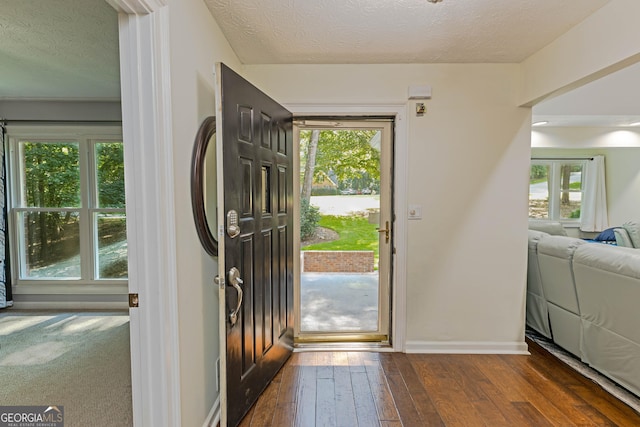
68,49
394,31
59,49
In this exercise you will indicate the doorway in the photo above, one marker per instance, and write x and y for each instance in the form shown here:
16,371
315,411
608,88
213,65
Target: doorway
345,241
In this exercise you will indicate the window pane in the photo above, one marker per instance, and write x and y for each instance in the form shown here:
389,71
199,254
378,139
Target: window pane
52,244
539,191
570,191
110,174
112,246
51,174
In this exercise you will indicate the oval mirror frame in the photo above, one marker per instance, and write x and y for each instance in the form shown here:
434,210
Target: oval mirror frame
205,134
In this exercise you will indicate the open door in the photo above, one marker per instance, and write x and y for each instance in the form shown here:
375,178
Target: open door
255,189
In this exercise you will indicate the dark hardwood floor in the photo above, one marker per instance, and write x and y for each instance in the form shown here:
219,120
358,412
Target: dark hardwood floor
394,389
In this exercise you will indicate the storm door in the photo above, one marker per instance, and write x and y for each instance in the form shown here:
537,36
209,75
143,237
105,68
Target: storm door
346,229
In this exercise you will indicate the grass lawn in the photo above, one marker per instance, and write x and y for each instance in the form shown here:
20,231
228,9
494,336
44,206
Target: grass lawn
356,234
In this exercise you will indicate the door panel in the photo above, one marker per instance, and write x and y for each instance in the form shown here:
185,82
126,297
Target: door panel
255,135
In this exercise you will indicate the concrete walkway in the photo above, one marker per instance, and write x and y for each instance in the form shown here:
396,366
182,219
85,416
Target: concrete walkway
339,302
345,205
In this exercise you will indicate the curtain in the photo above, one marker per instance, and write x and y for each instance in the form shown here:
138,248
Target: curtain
6,298
594,206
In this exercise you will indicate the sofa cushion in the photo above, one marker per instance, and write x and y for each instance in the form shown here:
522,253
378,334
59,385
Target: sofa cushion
552,227
622,238
555,254
633,228
560,246
614,259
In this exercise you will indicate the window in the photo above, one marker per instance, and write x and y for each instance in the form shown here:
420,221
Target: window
556,189
68,205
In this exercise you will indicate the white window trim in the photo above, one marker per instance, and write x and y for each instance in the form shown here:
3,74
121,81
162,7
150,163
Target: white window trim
86,137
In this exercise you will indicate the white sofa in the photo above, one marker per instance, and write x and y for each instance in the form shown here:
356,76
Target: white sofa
555,259
590,293
537,311
555,228
608,289
537,316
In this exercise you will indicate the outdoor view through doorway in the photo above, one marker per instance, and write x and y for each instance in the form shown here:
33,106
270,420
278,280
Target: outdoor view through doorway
345,230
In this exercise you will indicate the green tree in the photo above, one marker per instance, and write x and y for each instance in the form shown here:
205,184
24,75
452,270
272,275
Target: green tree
52,174
110,164
538,172
52,180
349,155
311,149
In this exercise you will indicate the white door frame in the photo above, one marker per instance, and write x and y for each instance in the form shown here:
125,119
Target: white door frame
147,135
399,261
384,280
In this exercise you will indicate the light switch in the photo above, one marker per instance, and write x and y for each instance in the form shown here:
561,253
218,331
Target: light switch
415,212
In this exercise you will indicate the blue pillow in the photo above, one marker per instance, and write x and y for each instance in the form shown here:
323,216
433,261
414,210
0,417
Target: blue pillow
606,236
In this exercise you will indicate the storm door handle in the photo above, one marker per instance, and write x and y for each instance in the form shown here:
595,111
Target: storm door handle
386,231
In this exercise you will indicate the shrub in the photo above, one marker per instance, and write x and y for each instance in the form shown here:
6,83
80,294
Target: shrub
309,218
324,191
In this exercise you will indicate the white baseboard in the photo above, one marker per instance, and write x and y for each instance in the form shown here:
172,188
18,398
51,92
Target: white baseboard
214,415
467,347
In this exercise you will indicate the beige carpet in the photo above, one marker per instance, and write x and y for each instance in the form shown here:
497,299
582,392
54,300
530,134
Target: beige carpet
78,360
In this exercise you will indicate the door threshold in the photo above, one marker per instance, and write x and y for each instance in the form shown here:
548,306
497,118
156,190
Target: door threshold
342,346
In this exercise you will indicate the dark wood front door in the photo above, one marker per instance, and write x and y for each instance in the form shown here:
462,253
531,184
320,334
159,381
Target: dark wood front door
258,241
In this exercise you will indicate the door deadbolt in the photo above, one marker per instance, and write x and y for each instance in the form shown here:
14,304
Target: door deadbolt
233,229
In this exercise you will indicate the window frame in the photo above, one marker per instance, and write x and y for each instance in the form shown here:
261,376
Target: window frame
87,137
555,184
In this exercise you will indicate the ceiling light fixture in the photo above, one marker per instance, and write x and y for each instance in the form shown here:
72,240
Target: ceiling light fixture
634,124
544,122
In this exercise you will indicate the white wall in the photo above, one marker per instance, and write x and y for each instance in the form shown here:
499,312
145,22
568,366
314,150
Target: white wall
621,148
603,43
196,45
468,168
60,110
